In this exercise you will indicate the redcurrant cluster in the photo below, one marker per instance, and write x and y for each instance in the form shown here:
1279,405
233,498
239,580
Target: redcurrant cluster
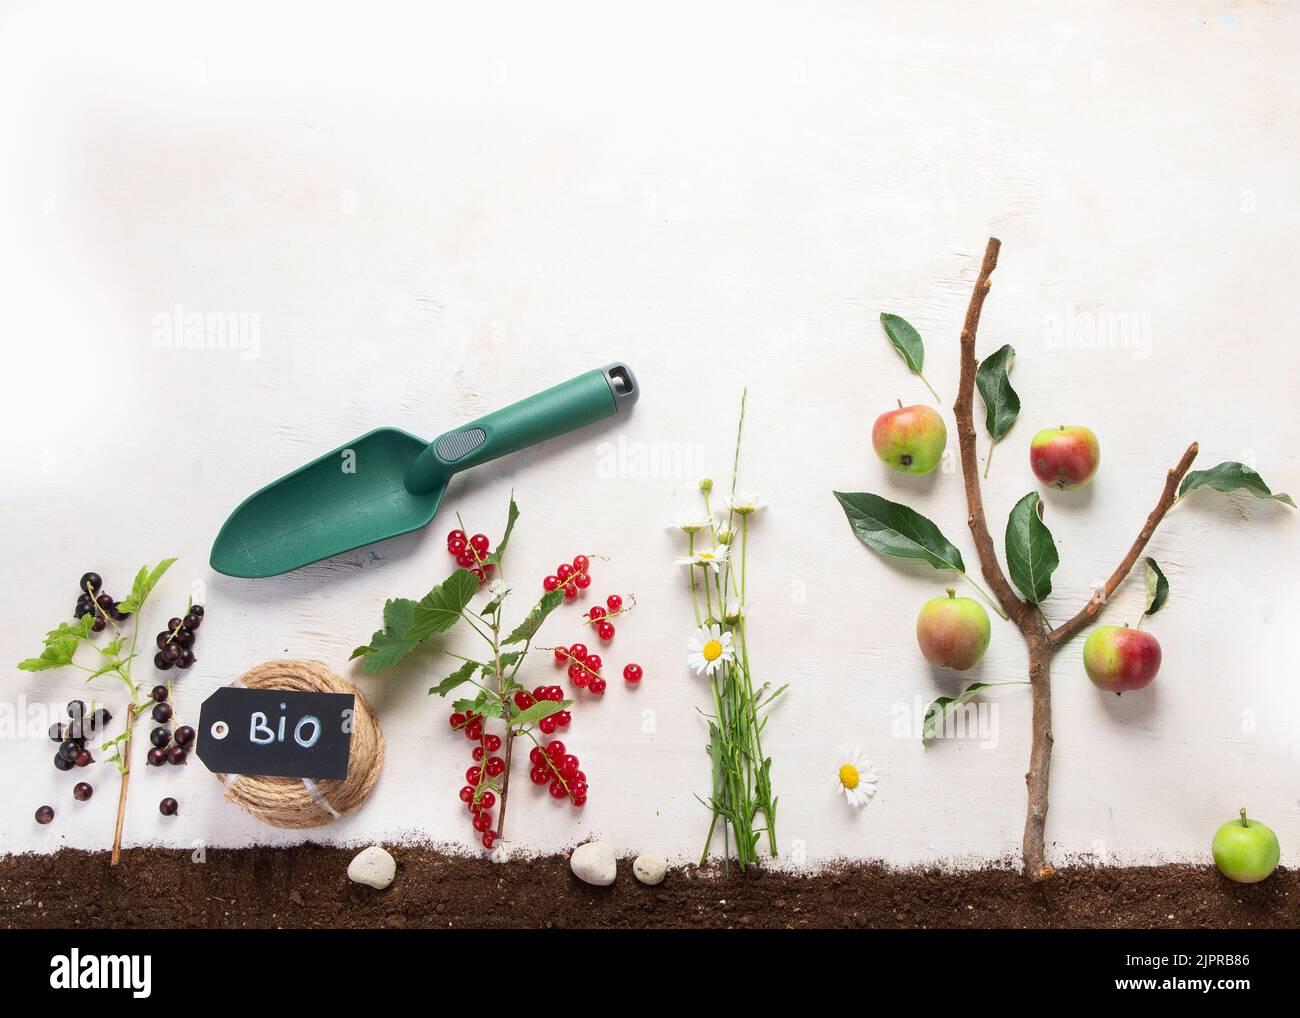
548,724
471,553
560,770
570,577
583,666
479,793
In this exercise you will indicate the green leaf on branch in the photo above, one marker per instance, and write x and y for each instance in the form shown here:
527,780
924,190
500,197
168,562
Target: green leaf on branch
506,660
1031,552
1232,476
541,709
389,645
441,608
527,629
61,645
145,581
897,531
1001,403
1157,587
938,710
511,517
457,678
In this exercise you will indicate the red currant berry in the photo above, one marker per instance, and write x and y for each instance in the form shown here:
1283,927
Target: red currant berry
632,674
487,800
578,788
536,757
564,571
547,725
540,774
554,693
489,839
495,766
582,581
474,731
456,548
561,655
456,535
597,686
568,766
550,583
578,652
483,822
492,742
581,563
578,800
593,662
457,720
578,676
605,630
555,749
479,574
466,794
480,543
465,560
595,613
523,700
557,790
575,671
540,692
614,602
487,567
570,592
477,754
473,774
580,778
562,718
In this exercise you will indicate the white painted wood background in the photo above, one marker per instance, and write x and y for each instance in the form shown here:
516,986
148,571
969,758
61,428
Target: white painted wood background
434,213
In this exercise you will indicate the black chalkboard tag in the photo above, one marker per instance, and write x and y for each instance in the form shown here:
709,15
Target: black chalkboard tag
276,732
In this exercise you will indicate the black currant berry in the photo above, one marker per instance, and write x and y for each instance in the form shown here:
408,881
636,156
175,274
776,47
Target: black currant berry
76,709
44,814
157,757
193,621
186,659
91,580
183,735
105,601
84,759
160,737
176,755
171,652
101,719
168,807
158,694
162,712
184,637
56,732
99,624
196,609
61,762
82,791
160,662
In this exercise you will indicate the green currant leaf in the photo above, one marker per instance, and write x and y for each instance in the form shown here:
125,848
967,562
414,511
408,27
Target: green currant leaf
440,609
389,645
145,580
457,678
527,629
541,709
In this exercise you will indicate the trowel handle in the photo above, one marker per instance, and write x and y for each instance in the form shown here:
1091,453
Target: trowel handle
580,401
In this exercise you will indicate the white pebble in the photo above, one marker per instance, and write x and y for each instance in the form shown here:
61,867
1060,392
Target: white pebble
650,868
594,863
373,867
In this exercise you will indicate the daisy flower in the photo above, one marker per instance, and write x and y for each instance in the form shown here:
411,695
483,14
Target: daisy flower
856,779
745,503
710,649
707,557
735,610
691,522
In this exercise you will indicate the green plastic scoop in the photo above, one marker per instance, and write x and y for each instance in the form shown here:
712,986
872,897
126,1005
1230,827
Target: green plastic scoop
389,482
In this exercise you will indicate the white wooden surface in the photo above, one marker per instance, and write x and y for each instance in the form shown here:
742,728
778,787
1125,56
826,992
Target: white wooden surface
432,214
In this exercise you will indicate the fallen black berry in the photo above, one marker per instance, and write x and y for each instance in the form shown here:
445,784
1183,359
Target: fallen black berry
84,759
168,807
61,762
82,791
44,814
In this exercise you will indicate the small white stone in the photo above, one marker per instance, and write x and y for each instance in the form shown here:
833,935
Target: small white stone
373,867
650,868
594,863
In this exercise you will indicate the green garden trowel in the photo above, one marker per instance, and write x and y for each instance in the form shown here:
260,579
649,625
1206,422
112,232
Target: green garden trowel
388,482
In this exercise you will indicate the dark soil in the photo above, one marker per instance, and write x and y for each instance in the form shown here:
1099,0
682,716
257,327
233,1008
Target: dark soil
307,886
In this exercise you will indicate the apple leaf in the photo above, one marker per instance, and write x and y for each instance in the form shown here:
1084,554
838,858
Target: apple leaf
938,710
440,609
1031,551
1232,476
1001,403
897,531
907,341
1157,587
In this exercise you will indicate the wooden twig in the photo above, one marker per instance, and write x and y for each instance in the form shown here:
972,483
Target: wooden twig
1097,602
963,409
126,780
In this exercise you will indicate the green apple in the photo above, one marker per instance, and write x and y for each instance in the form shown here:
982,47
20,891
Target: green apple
953,631
1245,850
1064,457
910,439
1118,658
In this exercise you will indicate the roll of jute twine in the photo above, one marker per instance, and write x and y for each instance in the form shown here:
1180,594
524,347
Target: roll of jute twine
302,802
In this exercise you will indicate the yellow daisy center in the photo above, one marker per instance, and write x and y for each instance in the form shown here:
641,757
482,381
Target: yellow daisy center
712,650
849,776
707,556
